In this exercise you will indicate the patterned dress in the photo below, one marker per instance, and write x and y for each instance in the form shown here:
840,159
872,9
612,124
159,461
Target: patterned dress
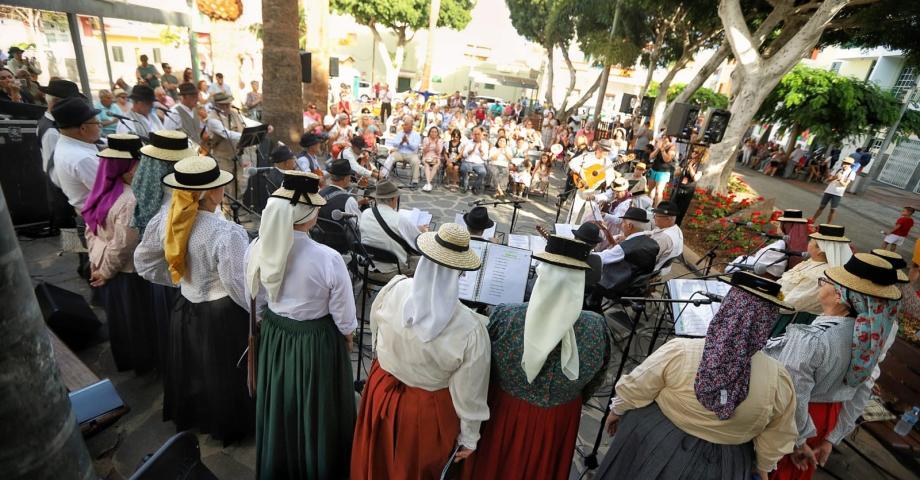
548,409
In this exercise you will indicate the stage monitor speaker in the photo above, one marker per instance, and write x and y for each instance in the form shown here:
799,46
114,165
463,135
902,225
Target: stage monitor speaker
23,180
66,313
333,66
646,107
716,122
683,120
628,103
306,67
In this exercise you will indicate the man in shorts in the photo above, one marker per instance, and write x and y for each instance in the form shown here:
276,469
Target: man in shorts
838,180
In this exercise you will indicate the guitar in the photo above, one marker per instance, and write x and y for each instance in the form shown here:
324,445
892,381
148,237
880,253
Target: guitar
594,175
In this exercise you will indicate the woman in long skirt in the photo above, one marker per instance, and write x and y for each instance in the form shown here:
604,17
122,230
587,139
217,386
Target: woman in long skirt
305,399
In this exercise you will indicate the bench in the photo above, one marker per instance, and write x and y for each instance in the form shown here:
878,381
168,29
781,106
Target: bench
898,387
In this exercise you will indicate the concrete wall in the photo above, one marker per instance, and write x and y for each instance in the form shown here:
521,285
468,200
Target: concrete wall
886,71
857,68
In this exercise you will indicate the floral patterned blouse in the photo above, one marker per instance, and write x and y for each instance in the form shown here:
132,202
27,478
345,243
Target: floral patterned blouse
551,387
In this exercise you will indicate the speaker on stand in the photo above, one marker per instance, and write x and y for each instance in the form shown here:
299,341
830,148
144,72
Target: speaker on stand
646,107
682,121
628,103
716,123
306,67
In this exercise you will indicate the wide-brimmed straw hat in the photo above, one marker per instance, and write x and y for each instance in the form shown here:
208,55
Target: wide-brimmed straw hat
620,185
566,252
449,247
168,145
849,161
831,233
386,190
792,216
300,187
897,262
867,274
197,173
122,145
759,286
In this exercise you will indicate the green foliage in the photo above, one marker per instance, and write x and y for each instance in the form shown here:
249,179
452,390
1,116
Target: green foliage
546,22
703,97
170,37
256,29
830,105
891,24
910,125
600,39
405,14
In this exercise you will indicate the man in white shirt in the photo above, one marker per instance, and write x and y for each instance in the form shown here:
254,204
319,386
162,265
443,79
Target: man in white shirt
593,169
839,179
668,234
632,257
400,240
225,126
404,147
75,155
355,150
474,154
184,116
219,86
48,133
143,119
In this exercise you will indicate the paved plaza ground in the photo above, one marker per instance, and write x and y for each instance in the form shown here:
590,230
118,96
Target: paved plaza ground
119,449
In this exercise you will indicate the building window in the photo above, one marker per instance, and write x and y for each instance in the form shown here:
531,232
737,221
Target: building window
905,81
156,56
118,54
488,86
835,67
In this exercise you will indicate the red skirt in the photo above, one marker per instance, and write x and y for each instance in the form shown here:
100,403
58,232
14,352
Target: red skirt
402,431
522,440
824,416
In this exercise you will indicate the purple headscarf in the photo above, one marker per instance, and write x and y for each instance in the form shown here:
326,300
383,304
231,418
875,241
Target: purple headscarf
106,189
738,330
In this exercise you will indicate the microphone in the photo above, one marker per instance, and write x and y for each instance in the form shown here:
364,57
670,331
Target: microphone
255,170
712,296
741,266
790,253
339,215
773,236
122,117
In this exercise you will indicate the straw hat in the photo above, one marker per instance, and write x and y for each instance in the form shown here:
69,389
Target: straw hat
302,187
122,145
119,92
896,261
620,185
641,166
759,286
831,233
849,161
449,247
168,145
197,173
792,216
566,252
867,274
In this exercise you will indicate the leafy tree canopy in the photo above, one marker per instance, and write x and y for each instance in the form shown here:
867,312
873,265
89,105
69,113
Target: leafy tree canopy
703,97
831,105
892,24
599,38
405,14
546,22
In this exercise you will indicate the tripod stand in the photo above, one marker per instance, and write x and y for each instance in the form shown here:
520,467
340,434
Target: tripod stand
516,204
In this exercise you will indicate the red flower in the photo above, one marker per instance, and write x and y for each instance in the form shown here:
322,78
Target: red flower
698,212
759,199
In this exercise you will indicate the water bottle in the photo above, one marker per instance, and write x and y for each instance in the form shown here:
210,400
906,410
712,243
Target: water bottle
907,422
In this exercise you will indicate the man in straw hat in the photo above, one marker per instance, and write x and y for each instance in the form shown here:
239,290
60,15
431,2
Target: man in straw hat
617,196
191,246
383,227
224,126
833,360
638,180
427,389
143,116
589,166
694,396
837,182
548,357
184,115
303,294
111,241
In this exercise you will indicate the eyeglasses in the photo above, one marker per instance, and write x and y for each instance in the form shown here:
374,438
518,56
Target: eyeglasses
822,281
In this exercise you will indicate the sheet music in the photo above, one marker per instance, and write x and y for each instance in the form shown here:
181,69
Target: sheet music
416,216
519,241
565,230
534,243
504,275
690,320
487,234
467,285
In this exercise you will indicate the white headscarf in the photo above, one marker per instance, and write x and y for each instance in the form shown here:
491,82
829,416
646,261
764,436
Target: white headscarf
554,307
838,253
269,256
433,299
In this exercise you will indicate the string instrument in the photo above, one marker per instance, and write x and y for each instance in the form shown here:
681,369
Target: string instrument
594,175
203,148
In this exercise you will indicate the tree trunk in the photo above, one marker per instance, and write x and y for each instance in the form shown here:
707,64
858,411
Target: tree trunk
601,95
652,64
662,99
793,135
429,49
317,91
549,75
565,114
399,55
391,73
42,440
280,39
702,75
571,69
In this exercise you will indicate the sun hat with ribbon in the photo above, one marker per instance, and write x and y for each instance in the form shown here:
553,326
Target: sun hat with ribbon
831,233
867,274
122,145
566,252
620,185
300,187
759,286
197,173
168,145
792,216
896,261
449,247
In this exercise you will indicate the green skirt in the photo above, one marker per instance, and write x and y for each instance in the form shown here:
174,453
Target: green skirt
785,319
305,400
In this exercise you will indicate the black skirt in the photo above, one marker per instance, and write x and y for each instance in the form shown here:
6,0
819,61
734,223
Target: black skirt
163,300
132,329
203,385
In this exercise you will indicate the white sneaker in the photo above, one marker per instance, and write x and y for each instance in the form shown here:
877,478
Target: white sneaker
427,187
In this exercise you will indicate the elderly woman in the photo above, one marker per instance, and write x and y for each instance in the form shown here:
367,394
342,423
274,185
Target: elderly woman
304,297
833,361
548,358
827,248
426,392
717,407
770,259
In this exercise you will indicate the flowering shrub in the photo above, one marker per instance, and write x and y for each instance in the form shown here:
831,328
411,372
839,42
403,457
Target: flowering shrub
709,215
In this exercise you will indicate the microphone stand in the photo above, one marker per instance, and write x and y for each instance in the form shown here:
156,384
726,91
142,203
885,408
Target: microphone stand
516,204
236,205
710,256
560,200
368,264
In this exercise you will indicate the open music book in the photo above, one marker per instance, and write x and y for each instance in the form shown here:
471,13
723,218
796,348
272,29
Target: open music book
690,320
565,229
534,243
502,278
487,234
418,217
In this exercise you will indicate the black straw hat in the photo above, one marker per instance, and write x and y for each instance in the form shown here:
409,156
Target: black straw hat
60,88
637,214
588,232
759,286
478,219
566,252
666,208
340,168
281,154
142,93
310,139
72,112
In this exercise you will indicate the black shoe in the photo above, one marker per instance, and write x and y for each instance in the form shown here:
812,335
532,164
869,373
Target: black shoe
413,186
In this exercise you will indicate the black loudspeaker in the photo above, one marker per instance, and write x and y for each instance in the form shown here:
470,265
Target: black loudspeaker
66,313
646,107
716,123
683,120
627,103
306,67
333,66
23,179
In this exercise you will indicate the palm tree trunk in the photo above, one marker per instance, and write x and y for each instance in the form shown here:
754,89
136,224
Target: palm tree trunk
317,91
429,49
280,39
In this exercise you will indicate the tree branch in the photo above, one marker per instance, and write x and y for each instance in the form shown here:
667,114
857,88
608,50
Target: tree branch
807,36
571,68
738,34
584,98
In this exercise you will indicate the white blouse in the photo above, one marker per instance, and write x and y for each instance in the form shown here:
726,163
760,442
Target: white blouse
800,286
458,359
